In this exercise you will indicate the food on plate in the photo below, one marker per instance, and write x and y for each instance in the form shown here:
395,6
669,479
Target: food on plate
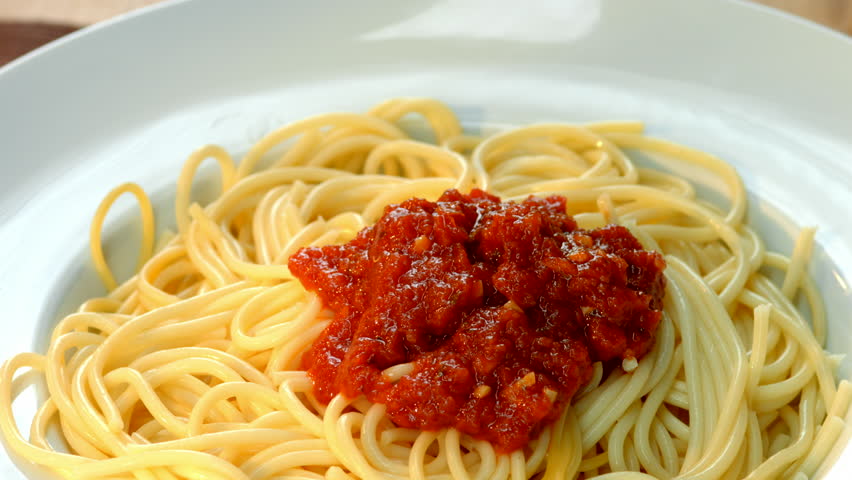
357,303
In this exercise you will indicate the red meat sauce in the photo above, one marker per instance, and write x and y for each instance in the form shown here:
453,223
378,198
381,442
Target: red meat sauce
500,307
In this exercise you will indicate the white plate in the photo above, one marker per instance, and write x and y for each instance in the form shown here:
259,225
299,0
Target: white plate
129,99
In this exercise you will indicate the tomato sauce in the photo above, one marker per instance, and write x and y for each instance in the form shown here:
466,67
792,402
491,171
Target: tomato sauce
501,308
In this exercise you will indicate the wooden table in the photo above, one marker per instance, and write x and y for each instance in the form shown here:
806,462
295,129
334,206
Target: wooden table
27,24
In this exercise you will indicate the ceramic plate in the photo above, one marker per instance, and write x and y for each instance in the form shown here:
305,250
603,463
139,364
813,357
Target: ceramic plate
129,99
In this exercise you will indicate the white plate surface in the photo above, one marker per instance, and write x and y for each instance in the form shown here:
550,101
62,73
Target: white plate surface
129,99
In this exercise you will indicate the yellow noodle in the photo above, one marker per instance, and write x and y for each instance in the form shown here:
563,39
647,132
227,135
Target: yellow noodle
191,368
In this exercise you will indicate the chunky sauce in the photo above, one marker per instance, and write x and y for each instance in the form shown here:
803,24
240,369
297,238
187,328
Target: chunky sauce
500,308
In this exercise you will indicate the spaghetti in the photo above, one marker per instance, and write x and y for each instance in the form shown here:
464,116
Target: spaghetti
190,369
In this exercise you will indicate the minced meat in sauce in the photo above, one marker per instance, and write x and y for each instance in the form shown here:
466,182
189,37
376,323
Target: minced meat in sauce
500,307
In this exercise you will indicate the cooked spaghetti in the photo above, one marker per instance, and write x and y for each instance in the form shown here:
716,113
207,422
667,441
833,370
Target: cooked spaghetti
192,368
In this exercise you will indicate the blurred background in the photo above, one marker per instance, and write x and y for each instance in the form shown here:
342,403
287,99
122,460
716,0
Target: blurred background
27,24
